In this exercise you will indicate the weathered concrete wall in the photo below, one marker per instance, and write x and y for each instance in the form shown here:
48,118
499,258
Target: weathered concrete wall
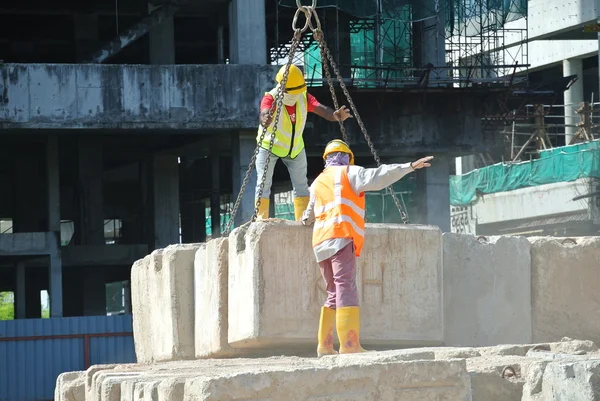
276,289
565,278
487,290
132,96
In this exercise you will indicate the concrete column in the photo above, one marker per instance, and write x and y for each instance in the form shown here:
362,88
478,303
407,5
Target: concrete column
247,32
243,145
215,197
90,226
162,41
464,164
55,268
20,295
573,96
165,192
436,200
431,35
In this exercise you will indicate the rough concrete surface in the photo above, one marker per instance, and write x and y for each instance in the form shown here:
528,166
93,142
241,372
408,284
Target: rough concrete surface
210,299
487,290
163,304
276,290
140,296
566,370
565,278
70,386
172,303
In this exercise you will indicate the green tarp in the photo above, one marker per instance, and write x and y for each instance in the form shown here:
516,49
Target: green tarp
556,165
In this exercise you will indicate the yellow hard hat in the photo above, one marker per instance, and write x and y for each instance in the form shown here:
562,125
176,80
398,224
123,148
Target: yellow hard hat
337,145
295,83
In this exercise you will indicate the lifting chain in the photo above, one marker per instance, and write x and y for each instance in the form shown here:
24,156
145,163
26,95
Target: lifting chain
309,12
279,104
319,37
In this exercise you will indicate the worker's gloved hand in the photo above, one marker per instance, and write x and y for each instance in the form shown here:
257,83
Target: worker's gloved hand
422,162
265,119
342,114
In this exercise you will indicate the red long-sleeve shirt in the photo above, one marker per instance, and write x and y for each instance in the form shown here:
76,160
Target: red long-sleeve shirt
267,102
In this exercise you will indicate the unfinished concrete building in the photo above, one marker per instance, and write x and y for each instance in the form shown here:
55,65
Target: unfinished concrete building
121,122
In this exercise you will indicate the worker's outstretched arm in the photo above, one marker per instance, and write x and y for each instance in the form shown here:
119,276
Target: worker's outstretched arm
376,179
329,114
308,217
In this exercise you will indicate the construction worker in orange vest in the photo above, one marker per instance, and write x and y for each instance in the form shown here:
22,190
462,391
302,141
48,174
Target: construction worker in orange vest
288,144
337,209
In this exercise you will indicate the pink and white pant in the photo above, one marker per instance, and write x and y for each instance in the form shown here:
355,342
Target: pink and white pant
339,273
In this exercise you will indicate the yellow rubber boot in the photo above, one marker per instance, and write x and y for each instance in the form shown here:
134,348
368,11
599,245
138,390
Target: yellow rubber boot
300,205
263,210
348,329
326,326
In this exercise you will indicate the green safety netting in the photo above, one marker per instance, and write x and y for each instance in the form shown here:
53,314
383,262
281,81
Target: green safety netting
556,165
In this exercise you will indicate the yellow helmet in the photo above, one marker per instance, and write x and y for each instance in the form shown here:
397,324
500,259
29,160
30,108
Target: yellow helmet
337,145
295,83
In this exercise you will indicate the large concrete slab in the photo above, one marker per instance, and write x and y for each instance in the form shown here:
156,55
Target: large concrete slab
565,277
487,290
276,290
163,304
357,381
210,299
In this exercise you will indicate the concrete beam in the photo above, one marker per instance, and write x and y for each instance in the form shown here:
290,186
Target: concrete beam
84,96
135,32
25,244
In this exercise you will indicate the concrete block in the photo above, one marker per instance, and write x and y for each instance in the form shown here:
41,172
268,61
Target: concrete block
565,277
140,296
353,380
210,299
70,386
571,381
487,295
171,303
276,289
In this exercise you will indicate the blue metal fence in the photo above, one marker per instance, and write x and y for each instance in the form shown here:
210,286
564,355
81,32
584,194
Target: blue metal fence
33,352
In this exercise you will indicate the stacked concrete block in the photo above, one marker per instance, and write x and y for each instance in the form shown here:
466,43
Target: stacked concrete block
487,290
163,304
566,370
276,290
210,299
565,282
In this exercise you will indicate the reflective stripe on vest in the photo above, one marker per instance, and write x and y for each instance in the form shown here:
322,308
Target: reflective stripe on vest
286,130
339,212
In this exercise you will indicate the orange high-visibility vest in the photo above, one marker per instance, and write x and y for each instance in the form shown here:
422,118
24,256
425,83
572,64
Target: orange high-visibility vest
339,211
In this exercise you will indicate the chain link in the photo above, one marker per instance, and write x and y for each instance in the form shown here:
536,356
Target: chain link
277,110
318,34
